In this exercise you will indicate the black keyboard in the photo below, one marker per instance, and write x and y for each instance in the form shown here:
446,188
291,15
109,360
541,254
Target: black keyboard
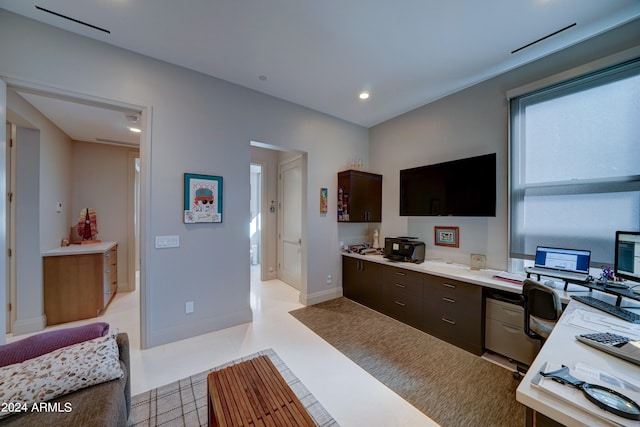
612,309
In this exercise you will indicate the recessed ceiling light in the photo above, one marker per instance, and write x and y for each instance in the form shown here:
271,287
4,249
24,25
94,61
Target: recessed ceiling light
263,78
135,130
364,95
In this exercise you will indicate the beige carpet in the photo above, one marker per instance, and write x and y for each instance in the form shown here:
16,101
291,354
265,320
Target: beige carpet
184,403
451,386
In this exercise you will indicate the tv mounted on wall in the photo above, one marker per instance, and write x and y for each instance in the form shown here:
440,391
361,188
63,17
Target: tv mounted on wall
465,187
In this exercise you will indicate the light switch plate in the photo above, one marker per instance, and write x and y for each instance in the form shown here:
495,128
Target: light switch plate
163,242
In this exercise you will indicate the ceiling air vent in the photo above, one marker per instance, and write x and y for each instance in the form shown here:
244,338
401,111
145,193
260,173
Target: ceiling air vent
72,19
544,38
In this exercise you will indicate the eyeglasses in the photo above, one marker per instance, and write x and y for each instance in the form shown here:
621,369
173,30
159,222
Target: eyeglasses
204,202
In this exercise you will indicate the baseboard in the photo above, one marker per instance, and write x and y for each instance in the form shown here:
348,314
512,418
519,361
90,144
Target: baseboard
199,327
28,326
318,297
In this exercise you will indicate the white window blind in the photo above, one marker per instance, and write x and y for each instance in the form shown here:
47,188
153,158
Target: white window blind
575,163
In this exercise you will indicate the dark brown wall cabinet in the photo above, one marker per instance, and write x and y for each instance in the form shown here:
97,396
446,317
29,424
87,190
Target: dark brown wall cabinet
359,196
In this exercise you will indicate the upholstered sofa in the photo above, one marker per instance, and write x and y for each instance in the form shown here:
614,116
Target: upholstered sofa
106,403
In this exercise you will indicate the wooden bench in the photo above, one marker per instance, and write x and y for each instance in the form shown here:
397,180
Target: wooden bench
253,393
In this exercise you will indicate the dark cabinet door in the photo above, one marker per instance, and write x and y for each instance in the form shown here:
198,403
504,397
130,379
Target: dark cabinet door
361,194
362,281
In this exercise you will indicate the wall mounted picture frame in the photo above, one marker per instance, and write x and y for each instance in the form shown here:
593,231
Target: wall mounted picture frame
446,236
202,198
324,201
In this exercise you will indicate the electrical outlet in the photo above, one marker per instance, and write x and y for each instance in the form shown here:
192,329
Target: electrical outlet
329,279
188,307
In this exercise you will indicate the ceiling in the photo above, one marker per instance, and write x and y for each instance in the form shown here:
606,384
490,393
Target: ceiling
322,54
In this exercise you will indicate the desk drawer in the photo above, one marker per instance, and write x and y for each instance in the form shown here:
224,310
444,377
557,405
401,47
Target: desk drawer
511,314
510,341
406,281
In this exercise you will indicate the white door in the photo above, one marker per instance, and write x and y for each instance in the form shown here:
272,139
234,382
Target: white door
290,222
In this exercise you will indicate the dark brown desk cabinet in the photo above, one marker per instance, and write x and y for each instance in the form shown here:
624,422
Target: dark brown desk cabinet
402,295
362,282
359,196
453,312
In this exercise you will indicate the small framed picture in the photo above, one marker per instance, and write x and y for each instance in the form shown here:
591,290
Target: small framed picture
202,198
478,262
446,236
324,202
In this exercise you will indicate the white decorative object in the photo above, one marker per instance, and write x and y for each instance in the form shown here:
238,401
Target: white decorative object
376,241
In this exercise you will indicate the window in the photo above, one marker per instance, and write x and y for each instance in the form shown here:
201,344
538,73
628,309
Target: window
575,163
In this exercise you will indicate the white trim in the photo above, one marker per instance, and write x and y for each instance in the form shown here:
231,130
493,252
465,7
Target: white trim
590,67
27,326
318,297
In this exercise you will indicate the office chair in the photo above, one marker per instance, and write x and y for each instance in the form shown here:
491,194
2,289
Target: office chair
542,309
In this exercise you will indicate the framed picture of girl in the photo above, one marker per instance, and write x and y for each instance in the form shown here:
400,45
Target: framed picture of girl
202,198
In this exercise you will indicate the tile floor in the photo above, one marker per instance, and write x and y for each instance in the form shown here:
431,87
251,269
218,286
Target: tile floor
348,393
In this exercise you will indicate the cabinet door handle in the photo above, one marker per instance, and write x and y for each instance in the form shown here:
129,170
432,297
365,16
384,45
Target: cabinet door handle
107,271
449,285
400,273
108,254
451,300
400,285
401,304
451,322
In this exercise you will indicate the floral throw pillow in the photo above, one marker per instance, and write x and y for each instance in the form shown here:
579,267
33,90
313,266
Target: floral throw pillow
60,372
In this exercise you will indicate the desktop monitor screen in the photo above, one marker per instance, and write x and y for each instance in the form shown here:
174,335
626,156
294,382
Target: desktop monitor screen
627,263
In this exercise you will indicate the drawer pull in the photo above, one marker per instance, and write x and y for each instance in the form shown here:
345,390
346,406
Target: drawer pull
108,254
400,285
451,322
107,271
449,285
451,300
400,273
401,304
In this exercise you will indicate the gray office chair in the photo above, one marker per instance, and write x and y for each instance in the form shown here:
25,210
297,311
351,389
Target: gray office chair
542,309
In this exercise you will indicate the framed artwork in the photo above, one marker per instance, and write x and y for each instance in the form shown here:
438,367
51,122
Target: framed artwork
446,236
202,198
324,206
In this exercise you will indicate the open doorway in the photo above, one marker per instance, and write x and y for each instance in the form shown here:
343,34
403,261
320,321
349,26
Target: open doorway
24,107
255,220
270,160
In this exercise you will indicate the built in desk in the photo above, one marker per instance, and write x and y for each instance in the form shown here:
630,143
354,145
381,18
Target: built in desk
79,281
562,348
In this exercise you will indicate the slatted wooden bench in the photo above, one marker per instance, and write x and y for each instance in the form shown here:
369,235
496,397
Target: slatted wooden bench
253,393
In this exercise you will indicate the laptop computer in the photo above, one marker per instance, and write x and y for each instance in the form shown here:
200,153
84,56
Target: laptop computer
567,264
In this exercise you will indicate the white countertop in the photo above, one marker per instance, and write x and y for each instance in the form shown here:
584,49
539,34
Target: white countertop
90,248
563,349
457,272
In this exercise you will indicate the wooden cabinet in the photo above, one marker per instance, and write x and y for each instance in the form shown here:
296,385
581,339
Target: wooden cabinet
359,196
402,295
453,312
79,281
362,281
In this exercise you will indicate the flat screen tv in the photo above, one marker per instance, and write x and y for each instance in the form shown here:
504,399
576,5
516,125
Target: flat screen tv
465,187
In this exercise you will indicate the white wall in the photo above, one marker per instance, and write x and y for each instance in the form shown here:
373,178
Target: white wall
100,179
469,123
196,124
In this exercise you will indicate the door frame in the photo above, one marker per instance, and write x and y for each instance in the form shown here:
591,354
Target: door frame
145,174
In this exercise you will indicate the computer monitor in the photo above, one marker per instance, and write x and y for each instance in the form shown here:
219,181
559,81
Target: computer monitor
627,260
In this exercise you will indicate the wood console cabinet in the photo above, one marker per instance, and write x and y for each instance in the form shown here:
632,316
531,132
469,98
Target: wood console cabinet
362,282
359,196
79,281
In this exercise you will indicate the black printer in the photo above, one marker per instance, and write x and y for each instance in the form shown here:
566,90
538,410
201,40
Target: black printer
405,249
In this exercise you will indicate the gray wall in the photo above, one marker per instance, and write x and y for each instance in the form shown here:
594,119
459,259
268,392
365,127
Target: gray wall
198,124
469,123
